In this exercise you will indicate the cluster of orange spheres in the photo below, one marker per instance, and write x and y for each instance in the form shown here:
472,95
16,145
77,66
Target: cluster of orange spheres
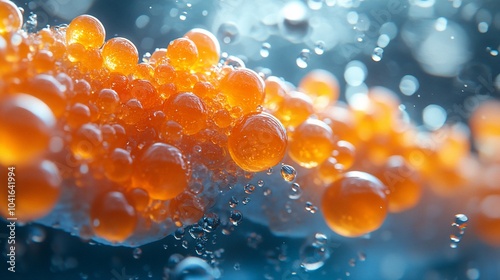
79,112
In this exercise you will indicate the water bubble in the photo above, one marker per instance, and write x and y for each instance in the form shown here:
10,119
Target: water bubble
37,234
459,225
254,240
233,202
377,54
196,232
234,61
235,217
319,47
311,208
260,183
303,58
264,49
228,32
295,191
237,266
288,173
210,222
269,171
320,238
137,253
31,23
492,51
315,4
184,244
179,233
192,268
352,262
434,116
313,254
361,256
408,85
183,16
249,188
267,191
295,25
355,73
245,200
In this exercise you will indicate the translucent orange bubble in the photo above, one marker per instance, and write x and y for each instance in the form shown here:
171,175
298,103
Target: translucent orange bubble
118,165
11,16
311,143
112,217
485,127
403,184
207,44
138,198
188,110
182,53
25,130
87,31
86,142
344,153
355,204
295,108
37,189
120,55
162,171
275,92
244,89
322,87
49,90
258,141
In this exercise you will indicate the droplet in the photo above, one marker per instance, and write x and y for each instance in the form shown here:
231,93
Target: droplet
184,244
361,256
269,171
37,234
352,262
311,208
377,54
237,266
183,16
235,217
313,254
210,222
234,61
233,202
408,85
137,253
249,188
245,200
320,238
267,192
260,183
179,233
228,32
315,4
319,47
31,23
288,173
193,268
295,192
196,232
459,226
303,58
264,49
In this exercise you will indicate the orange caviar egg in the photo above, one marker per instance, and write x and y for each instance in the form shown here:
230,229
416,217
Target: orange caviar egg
243,88
161,171
11,16
344,153
145,92
295,108
112,217
188,110
49,90
275,92
330,170
164,73
107,101
138,198
118,166
322,87
37,189
26,128
258,141
485,128
311,143
43,61
355,204
487,219
158,56
403,184
120,55
208,46
182,53
87,31
452,144
342,122
86,142
78,114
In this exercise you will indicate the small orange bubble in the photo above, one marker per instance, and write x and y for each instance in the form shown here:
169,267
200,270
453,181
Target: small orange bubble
87,31
120,55
311,143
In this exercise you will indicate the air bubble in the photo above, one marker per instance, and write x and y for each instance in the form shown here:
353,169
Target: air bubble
269,171
264,50
377,54
408,85
319,47
288,173
295,192
459,226
228,32
235,217
233,202
179,233
303,58
249,188
193,268
313,254
245,200
311,208
315,4
137,253
260,183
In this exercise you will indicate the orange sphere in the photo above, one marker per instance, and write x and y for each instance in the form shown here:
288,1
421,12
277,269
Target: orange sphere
182,53
25,130
112,217
257,142
355,204
118,166
485,127
275,93
11,16
161,171
311,143
120,55
487,220
207,44
37,190
344,153
295,108
244,89
87,31
188,110
322,87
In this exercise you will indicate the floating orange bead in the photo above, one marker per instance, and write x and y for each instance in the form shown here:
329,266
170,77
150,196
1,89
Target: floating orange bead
37,189
11,16
275,92
118,165
138,198
207,44
244,89
355,204
107,101
322,87
86,142
120,55
344,153
50,91
182,53
188,110
485,127
311,143
295,108
161,171
258,141
87,31
25,130
112,217
145,92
